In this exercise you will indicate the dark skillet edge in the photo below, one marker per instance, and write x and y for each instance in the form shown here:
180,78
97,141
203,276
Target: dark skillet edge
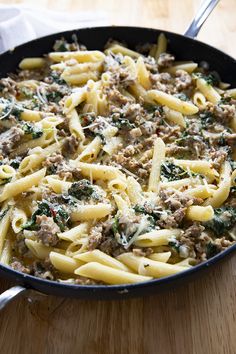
110,292
130,34
224,61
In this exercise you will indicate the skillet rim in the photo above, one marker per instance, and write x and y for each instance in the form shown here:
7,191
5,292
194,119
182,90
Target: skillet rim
148,29
30,281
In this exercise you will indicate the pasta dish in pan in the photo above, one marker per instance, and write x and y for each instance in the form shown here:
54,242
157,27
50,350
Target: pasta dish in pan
116,167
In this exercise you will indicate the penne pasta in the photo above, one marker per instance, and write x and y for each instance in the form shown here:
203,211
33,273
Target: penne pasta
157,238
109,275
116,167
172,102
21,185
157,159
91,212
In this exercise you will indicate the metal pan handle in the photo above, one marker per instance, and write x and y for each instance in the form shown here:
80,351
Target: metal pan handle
204,11
10,294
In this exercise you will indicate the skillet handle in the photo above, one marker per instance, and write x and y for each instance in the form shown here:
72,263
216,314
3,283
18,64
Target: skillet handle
204,11
10,294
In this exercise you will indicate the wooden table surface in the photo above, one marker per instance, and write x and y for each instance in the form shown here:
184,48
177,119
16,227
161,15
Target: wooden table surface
198,318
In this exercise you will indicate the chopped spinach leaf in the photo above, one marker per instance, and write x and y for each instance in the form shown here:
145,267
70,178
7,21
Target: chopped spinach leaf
14,111
225,100
206,118
35,131
212,78
122,123
152,223
67,199
55,76
174,244
172,172
211,250
26,92
115,225
153,108
222,141
57,212
182,139
224,219
15,163
43,209
81,190
60,216
3,213
140,209
52,170
146,210
181,96
103,139
54,96
61,45
5,181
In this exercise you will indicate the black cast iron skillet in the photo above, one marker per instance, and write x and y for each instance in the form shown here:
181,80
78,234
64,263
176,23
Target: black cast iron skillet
184,48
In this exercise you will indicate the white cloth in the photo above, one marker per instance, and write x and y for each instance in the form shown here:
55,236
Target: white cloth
19,24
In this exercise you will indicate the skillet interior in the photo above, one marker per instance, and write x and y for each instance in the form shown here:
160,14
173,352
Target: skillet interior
95,38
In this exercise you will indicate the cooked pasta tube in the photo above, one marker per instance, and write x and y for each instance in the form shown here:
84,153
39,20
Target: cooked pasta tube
200,213
117,48
122,204
32,63
172,102
199,100
32,116
221,194
21,185
199,166
4,226
189,67
109,275
91,151
143,74
174,117
160,257
74,233
102,258
134,190
64,263
75,125
156,237
208,91
99,171
18,219
157,159
80,79
149,267
117,185
161,45
82,56
57,185
6,172
91,212
38,249
201,191
181,182
5,257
